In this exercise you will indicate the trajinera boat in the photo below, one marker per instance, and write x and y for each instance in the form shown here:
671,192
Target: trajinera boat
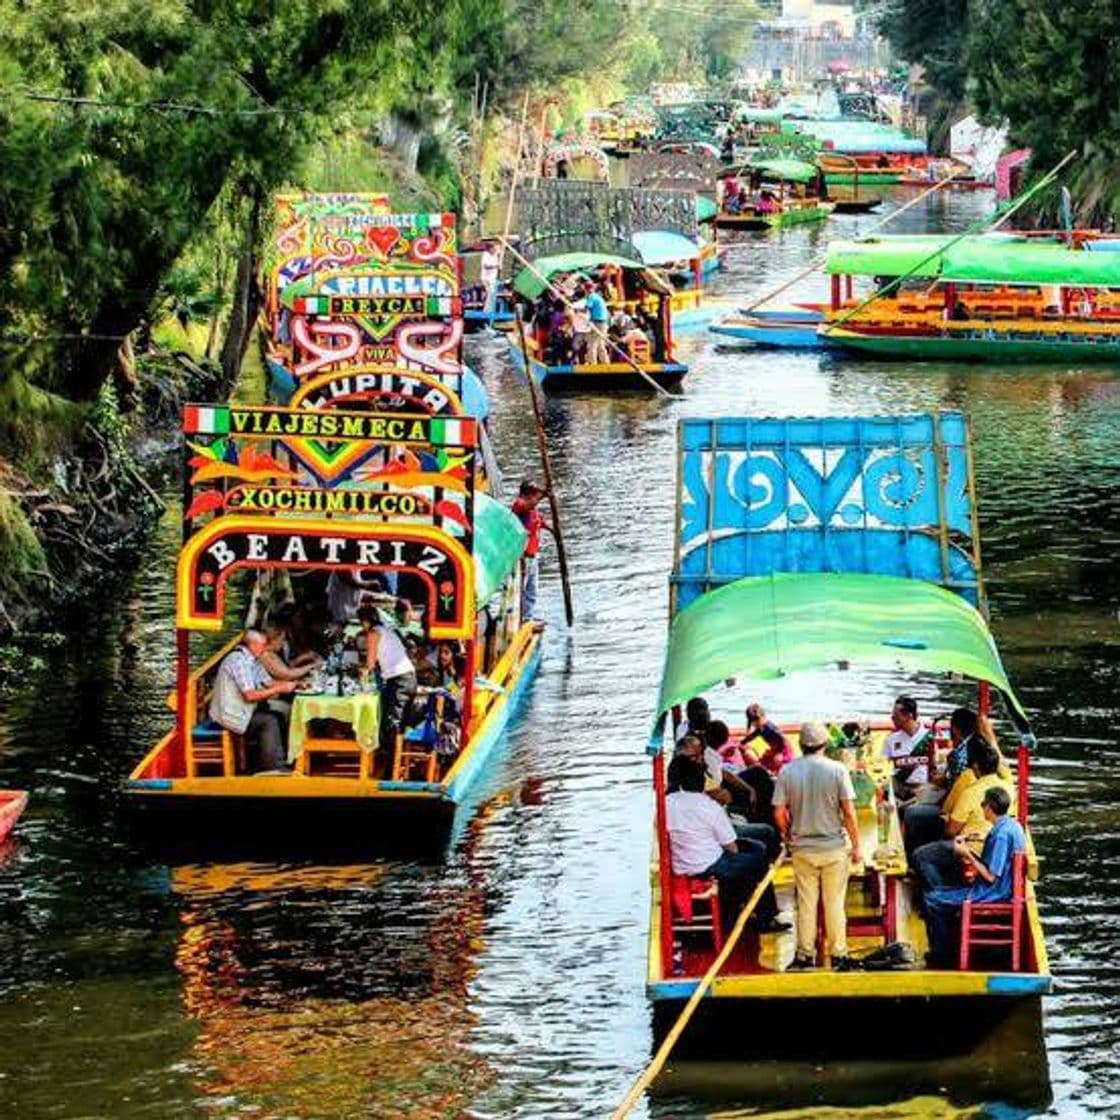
991,297
688,263
309,495
814,546
770,194
639,301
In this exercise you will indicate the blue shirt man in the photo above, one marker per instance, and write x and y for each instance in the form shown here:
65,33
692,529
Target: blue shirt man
597,308
994,878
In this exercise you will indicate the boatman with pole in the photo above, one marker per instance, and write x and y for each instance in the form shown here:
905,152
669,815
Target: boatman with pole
525,507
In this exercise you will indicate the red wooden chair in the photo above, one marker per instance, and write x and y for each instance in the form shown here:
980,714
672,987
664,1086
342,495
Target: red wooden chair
997,924
686,890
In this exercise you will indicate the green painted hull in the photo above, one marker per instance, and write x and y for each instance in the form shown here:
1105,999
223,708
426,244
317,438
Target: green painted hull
979,349
798,217
863,179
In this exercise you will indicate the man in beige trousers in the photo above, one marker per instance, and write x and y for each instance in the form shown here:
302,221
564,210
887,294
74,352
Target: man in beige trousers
814,807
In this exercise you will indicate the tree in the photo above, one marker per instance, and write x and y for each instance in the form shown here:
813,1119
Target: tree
1050,70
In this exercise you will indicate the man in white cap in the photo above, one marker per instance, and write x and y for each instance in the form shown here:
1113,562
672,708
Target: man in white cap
814,806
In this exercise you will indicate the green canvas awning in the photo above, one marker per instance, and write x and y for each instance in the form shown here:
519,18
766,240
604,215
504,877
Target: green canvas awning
706,209
787,170
499,540
765,627
976,259
530,285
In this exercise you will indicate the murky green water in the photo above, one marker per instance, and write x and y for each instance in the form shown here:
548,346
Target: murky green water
508,979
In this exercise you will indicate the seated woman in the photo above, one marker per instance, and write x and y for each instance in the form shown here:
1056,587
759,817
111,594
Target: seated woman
777,751
450,667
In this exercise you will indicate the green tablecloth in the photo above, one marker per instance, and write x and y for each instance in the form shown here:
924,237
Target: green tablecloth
362,711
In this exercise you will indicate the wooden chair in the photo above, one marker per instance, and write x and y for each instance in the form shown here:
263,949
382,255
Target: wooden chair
639,350
214,751
344,758
997,924
686,891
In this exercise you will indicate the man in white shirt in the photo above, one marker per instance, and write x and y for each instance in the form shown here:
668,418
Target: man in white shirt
396,675
702,842
907,747
239,698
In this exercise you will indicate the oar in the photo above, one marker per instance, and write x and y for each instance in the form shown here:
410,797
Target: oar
995,220
546,469
824,257
611,345
661,1057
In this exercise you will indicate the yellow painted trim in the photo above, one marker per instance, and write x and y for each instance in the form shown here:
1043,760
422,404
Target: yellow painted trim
278,787
506,673
322,527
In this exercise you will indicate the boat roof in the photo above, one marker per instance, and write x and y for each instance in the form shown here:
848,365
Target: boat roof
530,285
788,170
766,627
499,541
662,246
979,259
860,136
706,209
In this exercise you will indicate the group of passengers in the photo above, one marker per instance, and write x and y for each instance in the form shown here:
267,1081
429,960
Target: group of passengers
733,803
585,319
252,688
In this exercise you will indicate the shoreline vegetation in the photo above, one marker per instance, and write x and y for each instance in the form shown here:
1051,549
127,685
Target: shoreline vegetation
140,146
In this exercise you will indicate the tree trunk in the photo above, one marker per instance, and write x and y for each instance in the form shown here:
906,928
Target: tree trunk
246,297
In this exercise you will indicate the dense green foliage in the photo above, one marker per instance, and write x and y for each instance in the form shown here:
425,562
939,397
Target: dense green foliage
1048,69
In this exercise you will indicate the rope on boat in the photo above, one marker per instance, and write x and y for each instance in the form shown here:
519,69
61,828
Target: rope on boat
611,344
874,229
659,1059
995,220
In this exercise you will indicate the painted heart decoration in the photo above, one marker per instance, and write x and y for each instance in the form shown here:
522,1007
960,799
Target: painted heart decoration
383,238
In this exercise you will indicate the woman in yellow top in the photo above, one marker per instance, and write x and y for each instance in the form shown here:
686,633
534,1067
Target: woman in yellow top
937,864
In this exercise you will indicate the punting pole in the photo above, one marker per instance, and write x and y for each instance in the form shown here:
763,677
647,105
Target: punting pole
821,259
611,344
546,469
659,1059
513,181
995,221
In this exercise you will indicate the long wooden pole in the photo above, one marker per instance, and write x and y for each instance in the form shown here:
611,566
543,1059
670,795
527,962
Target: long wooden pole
975,227
662,1056
513,179
546,470
824,256
611,344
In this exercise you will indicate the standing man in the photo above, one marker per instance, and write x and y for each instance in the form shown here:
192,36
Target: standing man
396,676
239,703
600,317
490,266
814,806
525,507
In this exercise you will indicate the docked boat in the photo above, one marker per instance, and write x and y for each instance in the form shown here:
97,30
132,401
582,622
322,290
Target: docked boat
640,351
770,194
798,332
12,804
322,493
859,553
689,265
989,298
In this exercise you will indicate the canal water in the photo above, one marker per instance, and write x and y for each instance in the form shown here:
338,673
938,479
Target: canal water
506,980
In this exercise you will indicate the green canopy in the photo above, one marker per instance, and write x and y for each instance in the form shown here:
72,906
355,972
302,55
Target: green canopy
765,627
499,541
530,285
787,170
976,259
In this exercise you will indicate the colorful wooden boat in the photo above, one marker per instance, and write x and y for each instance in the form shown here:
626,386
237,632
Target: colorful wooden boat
689,263
777,193
859,551
633,286
305,490
995,297
12,804
795,333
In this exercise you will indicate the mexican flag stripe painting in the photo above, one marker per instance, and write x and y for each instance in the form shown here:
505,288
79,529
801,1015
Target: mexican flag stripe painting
206,420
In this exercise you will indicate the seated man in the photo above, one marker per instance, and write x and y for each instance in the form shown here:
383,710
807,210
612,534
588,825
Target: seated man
750,804
239,703
936,864
702,843
994,870
778,750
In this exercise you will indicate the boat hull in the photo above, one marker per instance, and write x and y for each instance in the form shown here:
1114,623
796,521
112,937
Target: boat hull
977,348
780,220
863,179
789,334
12,804
291,813
608,378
